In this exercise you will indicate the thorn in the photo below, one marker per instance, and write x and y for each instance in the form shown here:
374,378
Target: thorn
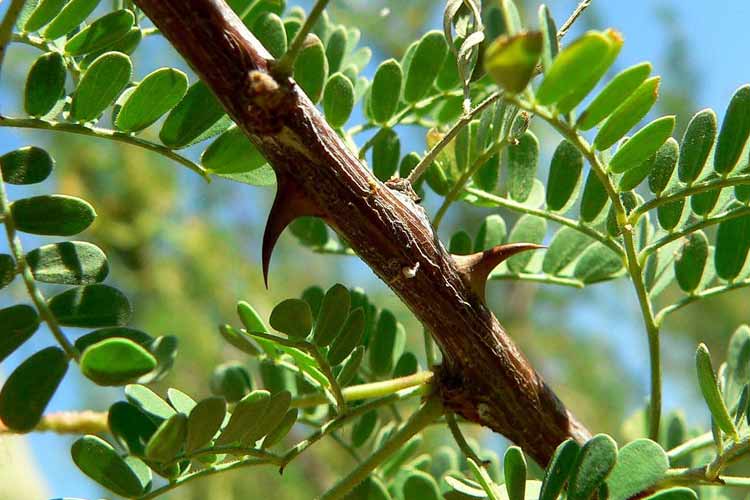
290,203
478,266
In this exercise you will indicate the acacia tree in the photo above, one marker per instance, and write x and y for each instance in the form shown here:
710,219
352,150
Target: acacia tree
334,359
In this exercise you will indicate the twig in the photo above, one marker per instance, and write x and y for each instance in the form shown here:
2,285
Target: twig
582,6
284,67
6,27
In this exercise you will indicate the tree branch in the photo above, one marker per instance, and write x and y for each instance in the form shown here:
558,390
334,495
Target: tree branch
485,378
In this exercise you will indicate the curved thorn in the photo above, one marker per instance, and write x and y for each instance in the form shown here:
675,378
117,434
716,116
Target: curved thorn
290,202
478,266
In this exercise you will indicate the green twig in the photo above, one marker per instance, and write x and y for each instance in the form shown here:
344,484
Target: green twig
704,223
285,66
433,153
582,6
430,410
6,27
560,219
460,440
14,242
633,263
539,278
112,135
709,292
334,384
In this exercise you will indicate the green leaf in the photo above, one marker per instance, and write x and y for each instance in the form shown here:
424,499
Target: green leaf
559,469
44,12
292,317
662,166
277,407
311,68
141,338
196,117
99,461
338,100
371,488
735,129
564,176
622,86
68,263
26,165
311,231
245,417
332,316
514,466
180,401
678,493
130,426
491,232
386,90
231,380
512,60
732,245
269,29
349,338
314,297
696,145
642,145
204,422
116,361
691,261
573,67
421,486
100,85
351,367
407,365
232,152
148,401
597,263
28,390
101,33
7,270
627,114
156,94
424,65
336,48
17,324
523,160
670,214
91,306
737,354
239,340
640,464
460,243
383,344
550,47
386,151
711,393
572,99
168,439
703,203
69,18
528,229
52,215
45,85
282,429
594,463
594,198
566,246
363,428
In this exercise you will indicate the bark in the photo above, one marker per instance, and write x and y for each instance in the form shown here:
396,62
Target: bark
484,376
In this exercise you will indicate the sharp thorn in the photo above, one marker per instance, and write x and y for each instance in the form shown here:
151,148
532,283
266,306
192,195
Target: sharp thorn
478,266
290,203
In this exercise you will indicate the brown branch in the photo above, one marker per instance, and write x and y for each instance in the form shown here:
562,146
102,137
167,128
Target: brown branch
484,377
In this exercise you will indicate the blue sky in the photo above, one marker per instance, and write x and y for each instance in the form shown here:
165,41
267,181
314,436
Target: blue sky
718,42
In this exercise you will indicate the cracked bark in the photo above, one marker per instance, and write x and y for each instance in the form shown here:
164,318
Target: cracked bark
484,376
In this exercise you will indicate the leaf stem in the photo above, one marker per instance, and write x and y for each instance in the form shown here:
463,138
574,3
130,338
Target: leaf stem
285,65
582,6
691,446
6,27
430,410
433,153
709,292
14,242
112,135
459,438
560,219
697,188
632,261
539,278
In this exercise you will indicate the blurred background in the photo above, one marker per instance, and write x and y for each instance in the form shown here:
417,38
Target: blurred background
185,251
